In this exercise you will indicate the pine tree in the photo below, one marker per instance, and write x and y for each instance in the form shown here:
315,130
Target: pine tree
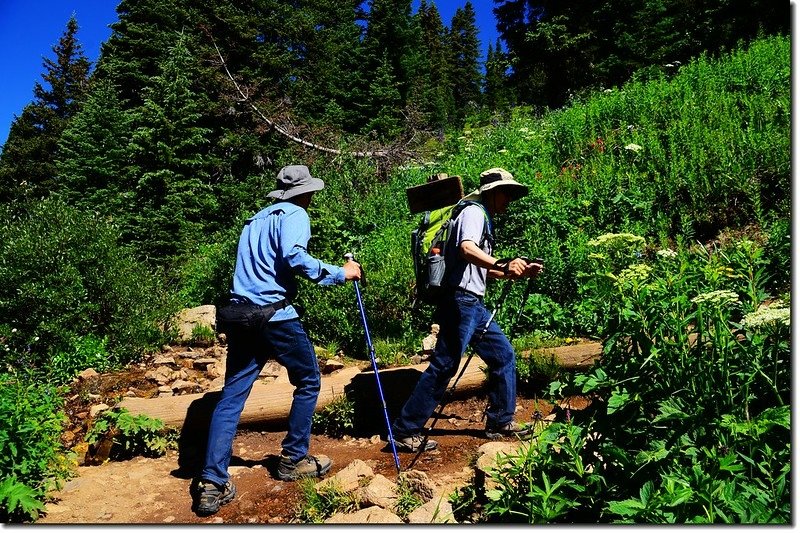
144,32
386,100
465,79
389,60
93,153
497,93
27,168
326,56
431,89
173,197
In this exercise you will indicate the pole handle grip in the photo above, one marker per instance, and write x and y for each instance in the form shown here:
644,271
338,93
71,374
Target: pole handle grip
350,257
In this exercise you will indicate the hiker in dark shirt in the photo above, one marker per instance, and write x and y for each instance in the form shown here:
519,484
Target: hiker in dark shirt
462,316
272,250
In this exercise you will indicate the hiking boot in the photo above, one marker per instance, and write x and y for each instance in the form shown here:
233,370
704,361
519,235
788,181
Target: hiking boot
512,429
414,443
210,496
308,466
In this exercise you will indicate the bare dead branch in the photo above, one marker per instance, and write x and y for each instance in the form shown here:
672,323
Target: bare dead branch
384,153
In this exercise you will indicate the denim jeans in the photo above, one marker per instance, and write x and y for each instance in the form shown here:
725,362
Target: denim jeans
287,343
462,317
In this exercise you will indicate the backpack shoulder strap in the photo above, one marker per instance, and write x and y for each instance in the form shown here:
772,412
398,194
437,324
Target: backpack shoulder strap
488,232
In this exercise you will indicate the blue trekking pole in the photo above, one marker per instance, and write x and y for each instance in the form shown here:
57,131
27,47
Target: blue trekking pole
349,257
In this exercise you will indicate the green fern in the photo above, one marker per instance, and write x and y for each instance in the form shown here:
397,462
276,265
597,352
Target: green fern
18,501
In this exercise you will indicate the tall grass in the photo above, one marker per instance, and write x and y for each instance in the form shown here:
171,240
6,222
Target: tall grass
682,157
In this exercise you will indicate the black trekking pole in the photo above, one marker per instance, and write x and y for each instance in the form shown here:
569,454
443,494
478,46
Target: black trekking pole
449,392
524,301
349,257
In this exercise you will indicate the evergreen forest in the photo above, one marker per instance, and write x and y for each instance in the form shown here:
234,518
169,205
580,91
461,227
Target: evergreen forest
654,137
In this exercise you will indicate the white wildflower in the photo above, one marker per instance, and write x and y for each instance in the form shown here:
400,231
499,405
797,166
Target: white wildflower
767,316
637,273
721,297
633,147
612,239
667,254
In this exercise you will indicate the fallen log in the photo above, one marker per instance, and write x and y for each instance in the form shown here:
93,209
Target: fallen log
270,402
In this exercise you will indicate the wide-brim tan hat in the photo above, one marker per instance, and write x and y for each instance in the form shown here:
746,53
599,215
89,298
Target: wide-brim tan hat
499,177
294,180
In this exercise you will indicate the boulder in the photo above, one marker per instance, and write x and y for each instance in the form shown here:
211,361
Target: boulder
188,319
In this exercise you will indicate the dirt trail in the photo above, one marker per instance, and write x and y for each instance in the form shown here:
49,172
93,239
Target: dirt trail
156,491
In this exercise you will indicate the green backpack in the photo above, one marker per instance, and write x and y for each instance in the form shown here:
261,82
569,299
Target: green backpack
428,249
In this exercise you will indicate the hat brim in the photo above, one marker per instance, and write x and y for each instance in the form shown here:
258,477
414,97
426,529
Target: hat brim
513,189
285,194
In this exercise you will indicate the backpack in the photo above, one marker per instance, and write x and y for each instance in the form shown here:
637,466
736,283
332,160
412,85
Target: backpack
428,247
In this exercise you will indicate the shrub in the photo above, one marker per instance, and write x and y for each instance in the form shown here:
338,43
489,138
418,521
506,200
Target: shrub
66,283
336,418
132,435
32,459
690,418
317,505
202,335
87,352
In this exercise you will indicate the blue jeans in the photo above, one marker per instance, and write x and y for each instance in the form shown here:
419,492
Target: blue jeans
287,343
462,317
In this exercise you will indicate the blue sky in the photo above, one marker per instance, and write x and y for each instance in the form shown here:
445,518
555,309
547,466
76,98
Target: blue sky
30,28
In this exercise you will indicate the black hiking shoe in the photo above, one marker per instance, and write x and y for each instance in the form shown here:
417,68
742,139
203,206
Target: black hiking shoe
210,496
512,429
308,466
414,443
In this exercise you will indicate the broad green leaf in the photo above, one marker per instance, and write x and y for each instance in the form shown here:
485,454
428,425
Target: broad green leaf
671,409
617,400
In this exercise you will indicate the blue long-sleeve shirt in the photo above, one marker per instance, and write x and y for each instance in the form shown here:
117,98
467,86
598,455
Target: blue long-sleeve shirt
272,249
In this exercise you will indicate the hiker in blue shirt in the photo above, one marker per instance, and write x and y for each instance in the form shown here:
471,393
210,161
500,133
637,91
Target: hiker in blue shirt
272,250
461,316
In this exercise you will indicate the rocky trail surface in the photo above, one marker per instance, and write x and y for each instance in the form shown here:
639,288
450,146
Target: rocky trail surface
157,490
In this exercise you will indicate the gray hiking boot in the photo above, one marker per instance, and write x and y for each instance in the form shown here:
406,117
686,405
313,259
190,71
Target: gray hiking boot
512,429
308,466
414,443
210,496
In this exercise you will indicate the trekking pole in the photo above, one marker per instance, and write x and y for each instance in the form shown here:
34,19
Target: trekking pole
524,301
349,257
446,398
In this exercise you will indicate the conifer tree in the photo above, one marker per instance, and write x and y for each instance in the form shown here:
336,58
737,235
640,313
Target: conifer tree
27,167
464,67
326,59
431,88
93,153
497,93
144,32
388,64
386,101
173,196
